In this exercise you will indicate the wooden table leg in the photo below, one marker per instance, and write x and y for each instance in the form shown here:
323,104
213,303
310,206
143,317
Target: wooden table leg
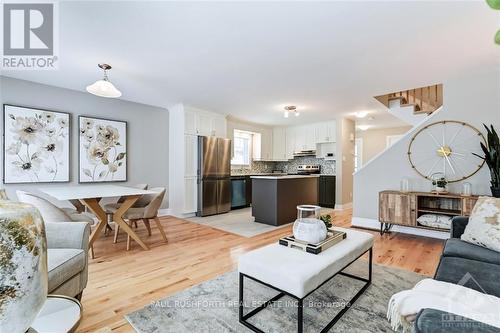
93,205
118,217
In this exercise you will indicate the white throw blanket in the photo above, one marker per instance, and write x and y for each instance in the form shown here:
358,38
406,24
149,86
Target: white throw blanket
432,294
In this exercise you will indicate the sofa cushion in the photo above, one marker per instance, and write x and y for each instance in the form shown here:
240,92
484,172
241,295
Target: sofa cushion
455,247
63,264
436,321
484,224
477,275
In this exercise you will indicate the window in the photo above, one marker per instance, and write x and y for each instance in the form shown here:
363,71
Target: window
242,148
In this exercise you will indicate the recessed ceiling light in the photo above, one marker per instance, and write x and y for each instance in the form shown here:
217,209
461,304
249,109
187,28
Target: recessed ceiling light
104,88
363,127
361,114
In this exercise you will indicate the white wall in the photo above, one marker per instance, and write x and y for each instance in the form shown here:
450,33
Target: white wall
375,140
147,128
345,163
473,98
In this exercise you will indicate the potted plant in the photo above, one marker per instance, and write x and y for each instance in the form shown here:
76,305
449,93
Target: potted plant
492,159
439,182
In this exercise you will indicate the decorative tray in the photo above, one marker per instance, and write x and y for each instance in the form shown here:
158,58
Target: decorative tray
333,237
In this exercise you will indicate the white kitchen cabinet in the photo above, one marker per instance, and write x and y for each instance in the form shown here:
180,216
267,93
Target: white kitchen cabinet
190,195
300,138
310,134
326,132
190,122
191,155
263,145
204,124
279,144
219,126
290,142
266,145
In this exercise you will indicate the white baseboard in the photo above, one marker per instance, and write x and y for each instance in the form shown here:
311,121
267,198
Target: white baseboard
362,222
168,211
343,206
164,212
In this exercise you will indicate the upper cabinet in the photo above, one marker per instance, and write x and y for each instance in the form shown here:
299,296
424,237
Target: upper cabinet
263,145
204,123
305,137
279,144
326,132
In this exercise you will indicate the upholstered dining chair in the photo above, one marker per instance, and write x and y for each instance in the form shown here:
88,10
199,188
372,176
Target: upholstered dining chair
52,213
145,210
111,207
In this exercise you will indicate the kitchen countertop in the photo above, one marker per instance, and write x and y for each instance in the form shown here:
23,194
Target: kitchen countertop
285,177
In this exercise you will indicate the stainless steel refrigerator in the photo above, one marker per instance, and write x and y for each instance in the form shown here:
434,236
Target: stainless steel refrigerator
214,175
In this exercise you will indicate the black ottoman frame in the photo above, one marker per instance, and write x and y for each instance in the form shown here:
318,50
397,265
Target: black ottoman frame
300,308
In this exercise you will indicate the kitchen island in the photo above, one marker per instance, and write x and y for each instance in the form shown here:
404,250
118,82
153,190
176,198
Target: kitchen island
275,198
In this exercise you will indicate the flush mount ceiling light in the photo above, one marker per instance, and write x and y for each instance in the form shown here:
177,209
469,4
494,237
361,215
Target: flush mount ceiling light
363,127
361,114
104,88
291,109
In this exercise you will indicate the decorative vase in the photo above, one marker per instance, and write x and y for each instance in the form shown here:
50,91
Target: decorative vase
23,265
495,192
308,227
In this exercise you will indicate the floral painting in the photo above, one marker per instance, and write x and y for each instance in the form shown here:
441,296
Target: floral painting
36,145
103,150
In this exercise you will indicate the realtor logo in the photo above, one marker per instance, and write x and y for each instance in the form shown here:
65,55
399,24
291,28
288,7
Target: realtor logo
29,36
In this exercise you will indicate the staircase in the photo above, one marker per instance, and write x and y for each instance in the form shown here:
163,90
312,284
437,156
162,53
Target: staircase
424,100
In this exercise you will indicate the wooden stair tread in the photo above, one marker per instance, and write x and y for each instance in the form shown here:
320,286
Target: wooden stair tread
416,106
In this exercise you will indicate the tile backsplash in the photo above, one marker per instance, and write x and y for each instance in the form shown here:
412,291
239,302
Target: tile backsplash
327,167
257,167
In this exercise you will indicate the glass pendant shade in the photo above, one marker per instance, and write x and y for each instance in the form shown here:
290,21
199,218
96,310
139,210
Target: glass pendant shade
104,88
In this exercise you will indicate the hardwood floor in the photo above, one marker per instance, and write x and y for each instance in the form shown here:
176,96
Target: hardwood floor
121,281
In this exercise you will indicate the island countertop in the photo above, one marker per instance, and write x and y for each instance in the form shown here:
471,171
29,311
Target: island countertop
285,177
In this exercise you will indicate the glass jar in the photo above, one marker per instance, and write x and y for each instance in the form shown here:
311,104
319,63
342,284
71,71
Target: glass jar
404,185
466,189
308,227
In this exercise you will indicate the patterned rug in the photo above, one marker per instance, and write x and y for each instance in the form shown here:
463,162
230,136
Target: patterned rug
212,306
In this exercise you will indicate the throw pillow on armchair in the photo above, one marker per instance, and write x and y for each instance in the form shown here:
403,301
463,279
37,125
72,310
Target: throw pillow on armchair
483,228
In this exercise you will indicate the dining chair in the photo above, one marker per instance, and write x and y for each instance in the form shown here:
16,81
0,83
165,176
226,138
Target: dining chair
111,207
148,211
51,213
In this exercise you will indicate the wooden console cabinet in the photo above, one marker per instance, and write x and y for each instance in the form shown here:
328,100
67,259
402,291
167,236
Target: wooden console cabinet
400,208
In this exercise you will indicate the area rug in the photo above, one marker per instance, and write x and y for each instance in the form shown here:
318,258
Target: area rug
239,222
212,306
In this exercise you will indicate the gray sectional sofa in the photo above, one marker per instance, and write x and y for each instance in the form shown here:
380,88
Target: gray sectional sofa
471,266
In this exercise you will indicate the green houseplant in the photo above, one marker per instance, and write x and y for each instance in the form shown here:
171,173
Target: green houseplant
492,159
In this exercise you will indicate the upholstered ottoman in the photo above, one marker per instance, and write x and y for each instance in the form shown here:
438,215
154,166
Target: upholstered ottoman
297,274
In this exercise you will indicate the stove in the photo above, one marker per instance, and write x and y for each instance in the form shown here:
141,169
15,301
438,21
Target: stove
308,169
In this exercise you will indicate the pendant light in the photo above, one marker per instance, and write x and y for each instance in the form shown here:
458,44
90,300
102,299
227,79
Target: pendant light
104,88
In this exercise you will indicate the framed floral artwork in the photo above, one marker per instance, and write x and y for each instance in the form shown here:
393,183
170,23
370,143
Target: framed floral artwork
36,146
102,150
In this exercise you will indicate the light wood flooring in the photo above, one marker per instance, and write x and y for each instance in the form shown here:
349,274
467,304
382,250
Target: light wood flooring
121,282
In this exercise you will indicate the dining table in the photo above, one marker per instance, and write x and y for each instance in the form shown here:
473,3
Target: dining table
90,196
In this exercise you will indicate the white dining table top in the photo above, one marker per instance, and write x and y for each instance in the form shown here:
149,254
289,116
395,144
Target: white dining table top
73,192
